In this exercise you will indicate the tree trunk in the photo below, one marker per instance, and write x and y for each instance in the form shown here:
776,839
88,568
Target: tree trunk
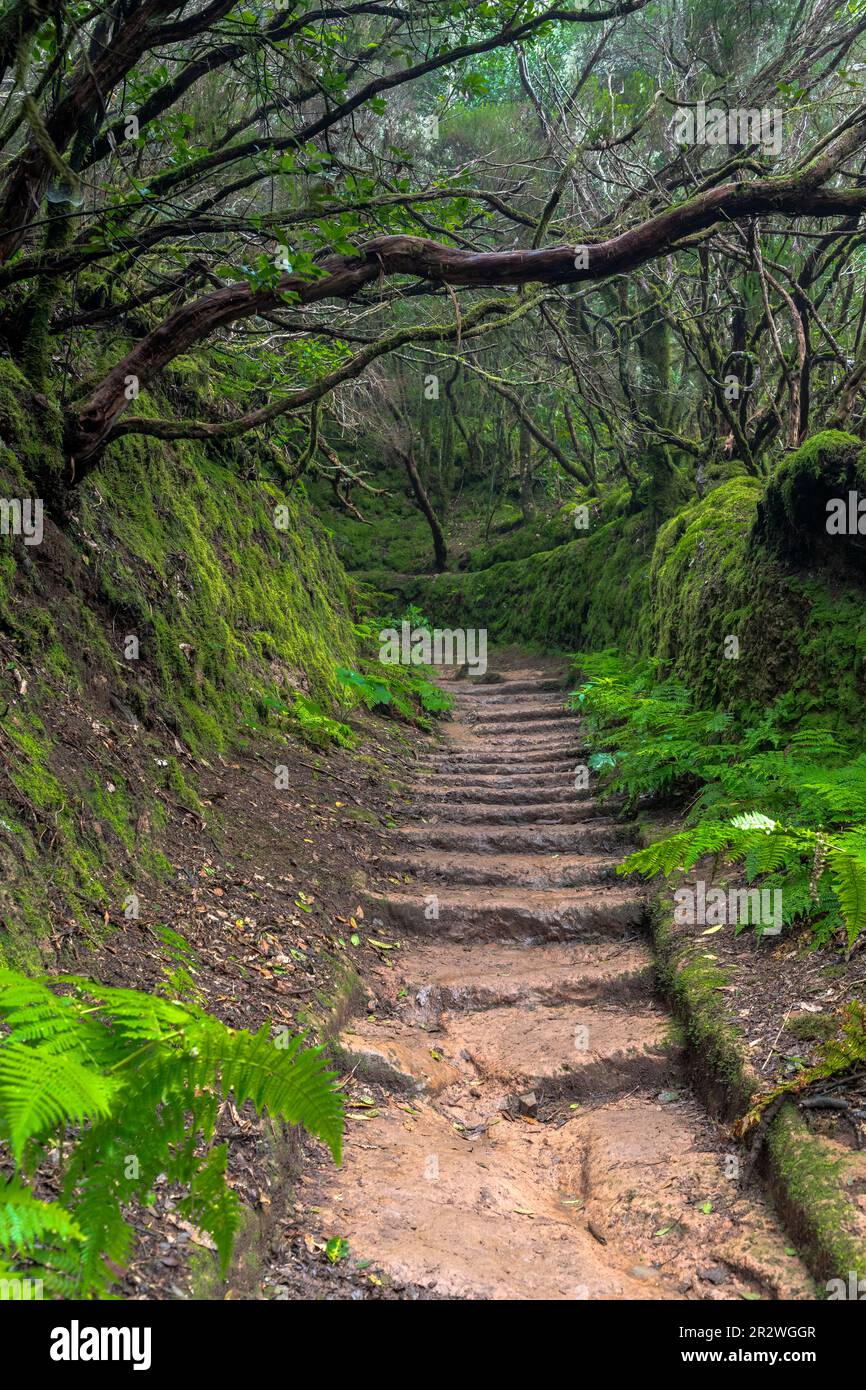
440,548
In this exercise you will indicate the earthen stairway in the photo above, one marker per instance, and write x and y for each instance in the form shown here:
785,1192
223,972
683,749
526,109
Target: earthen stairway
532,1136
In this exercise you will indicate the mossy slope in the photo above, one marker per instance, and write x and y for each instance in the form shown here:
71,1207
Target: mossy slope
184,598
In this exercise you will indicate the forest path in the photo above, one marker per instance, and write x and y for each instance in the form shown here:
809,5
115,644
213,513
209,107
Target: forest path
536,1139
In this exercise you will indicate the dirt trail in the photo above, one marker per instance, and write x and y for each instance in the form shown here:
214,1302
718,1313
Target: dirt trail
534,1138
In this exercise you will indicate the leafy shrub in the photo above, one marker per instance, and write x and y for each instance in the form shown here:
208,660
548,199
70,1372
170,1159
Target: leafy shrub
119,1087
311,722
405,691
372,692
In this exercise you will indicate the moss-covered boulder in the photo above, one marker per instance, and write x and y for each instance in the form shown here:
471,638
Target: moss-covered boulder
805,513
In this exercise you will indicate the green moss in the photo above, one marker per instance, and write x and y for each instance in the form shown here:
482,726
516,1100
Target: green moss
711,579
394,536
587,592
177,784
196,568
31,429
229,609
810,1027
691,983
29,770
110,803
807,1184
47,862
792,515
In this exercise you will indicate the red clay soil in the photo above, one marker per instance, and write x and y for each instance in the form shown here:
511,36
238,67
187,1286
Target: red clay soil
527,1131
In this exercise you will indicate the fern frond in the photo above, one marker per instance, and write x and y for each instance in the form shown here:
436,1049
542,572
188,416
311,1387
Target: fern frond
41,1090
140,1080
26,1222
212,1205
848,876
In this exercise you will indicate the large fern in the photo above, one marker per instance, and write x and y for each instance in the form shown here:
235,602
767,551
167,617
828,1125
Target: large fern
133,1085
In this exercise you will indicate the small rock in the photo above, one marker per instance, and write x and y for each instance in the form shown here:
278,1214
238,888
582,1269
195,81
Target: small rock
643,1272
527,1104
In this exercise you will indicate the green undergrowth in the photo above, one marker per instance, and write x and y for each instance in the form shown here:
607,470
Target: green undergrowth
595,586
782,799
392,537
740,618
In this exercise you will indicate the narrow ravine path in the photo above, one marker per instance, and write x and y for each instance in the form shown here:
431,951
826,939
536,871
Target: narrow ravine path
533,1136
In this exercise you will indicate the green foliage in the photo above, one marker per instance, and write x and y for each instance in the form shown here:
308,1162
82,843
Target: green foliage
310,721
407,691
404,692
181,964
372,692
786,803
415,618
317,727
121,1087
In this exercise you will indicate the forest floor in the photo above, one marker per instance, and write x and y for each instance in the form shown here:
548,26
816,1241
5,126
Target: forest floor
443,912
529,1130
266,893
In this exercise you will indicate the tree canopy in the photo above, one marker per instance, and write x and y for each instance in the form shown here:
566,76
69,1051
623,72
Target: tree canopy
635,227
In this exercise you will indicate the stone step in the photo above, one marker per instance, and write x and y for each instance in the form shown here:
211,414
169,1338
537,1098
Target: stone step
529,732
517,779
482,691
438,796
510,714
522,870
449,977
472,1217
593,837
555,914
494,759
475,813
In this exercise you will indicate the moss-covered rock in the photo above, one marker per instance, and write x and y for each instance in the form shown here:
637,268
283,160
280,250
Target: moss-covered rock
741,627
792,515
